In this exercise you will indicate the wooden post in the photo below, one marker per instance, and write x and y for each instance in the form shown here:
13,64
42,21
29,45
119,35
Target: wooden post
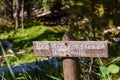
71,68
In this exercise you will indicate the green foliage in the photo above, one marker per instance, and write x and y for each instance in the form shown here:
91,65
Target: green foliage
47,69
119,79
54,78
104,71
45,6
5,25
113,68
7,62
108,71
23,38
1,5
22,58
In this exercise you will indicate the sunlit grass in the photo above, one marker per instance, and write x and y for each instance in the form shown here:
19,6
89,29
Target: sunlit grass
23,58
23,38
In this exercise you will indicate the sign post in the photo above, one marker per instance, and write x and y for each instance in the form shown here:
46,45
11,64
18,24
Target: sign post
70,51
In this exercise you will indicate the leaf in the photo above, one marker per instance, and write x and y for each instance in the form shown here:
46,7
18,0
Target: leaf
55,78
119,79
113,68
104,70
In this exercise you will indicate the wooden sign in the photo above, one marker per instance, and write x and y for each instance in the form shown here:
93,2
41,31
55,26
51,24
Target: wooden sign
71,48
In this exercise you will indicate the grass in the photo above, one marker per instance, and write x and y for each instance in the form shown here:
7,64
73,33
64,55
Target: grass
23,58
23,38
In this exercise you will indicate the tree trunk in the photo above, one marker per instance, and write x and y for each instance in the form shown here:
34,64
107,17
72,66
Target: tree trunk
17,14
117,14
22,14
27,8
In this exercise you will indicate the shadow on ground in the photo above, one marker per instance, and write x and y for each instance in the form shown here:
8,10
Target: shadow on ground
47,35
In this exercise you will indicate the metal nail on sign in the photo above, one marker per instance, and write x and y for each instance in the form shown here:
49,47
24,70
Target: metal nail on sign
71,48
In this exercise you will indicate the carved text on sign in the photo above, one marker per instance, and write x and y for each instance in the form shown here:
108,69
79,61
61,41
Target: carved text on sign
72,48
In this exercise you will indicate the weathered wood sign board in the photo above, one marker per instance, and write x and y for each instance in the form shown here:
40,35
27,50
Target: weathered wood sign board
71,48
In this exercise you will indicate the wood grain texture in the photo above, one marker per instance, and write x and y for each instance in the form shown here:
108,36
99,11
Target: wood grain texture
71,48
71,66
